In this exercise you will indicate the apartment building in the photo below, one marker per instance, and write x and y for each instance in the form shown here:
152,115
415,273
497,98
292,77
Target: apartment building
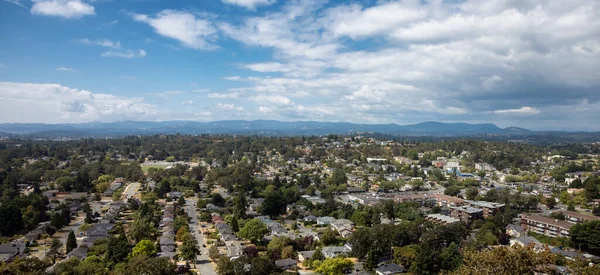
545,225
575,217
466,214
490,209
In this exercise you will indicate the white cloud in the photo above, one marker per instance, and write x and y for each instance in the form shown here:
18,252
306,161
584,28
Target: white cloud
249,4
187,102
232,78
228,107
233,95
278,100
53,103
205,90
192,31
125,54
62,8
65,69
100,42
525,110
16,2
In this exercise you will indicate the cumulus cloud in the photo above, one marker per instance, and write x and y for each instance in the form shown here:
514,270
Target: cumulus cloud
54,103
187,102
125,53
62,8
433,60
525,110
249,4
188,28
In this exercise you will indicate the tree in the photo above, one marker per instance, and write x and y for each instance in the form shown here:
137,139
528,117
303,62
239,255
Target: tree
328,237
54,250
405,256
453,190
71,242
234,224
239,205
142,264
334,266
472,193
571,206
118,249
254,231
144,247
141,229
18,266
505,260
274,205
338,177
213,253
586,236
550,202
371,261
11,219
189,248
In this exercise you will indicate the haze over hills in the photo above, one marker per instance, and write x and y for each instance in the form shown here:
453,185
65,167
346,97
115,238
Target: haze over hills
263,127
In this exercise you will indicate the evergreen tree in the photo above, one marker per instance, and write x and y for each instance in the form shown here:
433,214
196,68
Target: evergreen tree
71,241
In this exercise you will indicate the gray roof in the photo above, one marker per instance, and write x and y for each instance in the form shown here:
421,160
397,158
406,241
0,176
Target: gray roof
285,262
389,269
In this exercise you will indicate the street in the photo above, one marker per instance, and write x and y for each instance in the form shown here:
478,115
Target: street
130,190
203,264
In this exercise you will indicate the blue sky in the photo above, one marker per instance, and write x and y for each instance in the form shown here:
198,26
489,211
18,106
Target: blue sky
528,63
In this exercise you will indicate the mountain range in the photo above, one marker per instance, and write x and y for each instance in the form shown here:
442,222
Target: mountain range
278,128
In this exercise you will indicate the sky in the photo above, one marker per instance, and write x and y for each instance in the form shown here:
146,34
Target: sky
524,63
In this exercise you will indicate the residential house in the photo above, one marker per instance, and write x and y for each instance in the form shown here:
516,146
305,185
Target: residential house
336,251
305,255
286,264
79,252
9,251
389,269
325,220
514,231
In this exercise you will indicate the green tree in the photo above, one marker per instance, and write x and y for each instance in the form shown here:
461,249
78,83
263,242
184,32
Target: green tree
189,248
371,261
213,253
71,242
11,219
142,264
274,204
405,256
328,237
586,236
254,231
505,260
234,224
54,250
118,249
19,266
334,266
472,193
453,190
338,177
144,247
141,229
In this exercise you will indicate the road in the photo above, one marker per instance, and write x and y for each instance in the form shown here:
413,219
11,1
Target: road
203,264
130,190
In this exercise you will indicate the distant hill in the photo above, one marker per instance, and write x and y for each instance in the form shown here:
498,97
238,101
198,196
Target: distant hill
268,127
